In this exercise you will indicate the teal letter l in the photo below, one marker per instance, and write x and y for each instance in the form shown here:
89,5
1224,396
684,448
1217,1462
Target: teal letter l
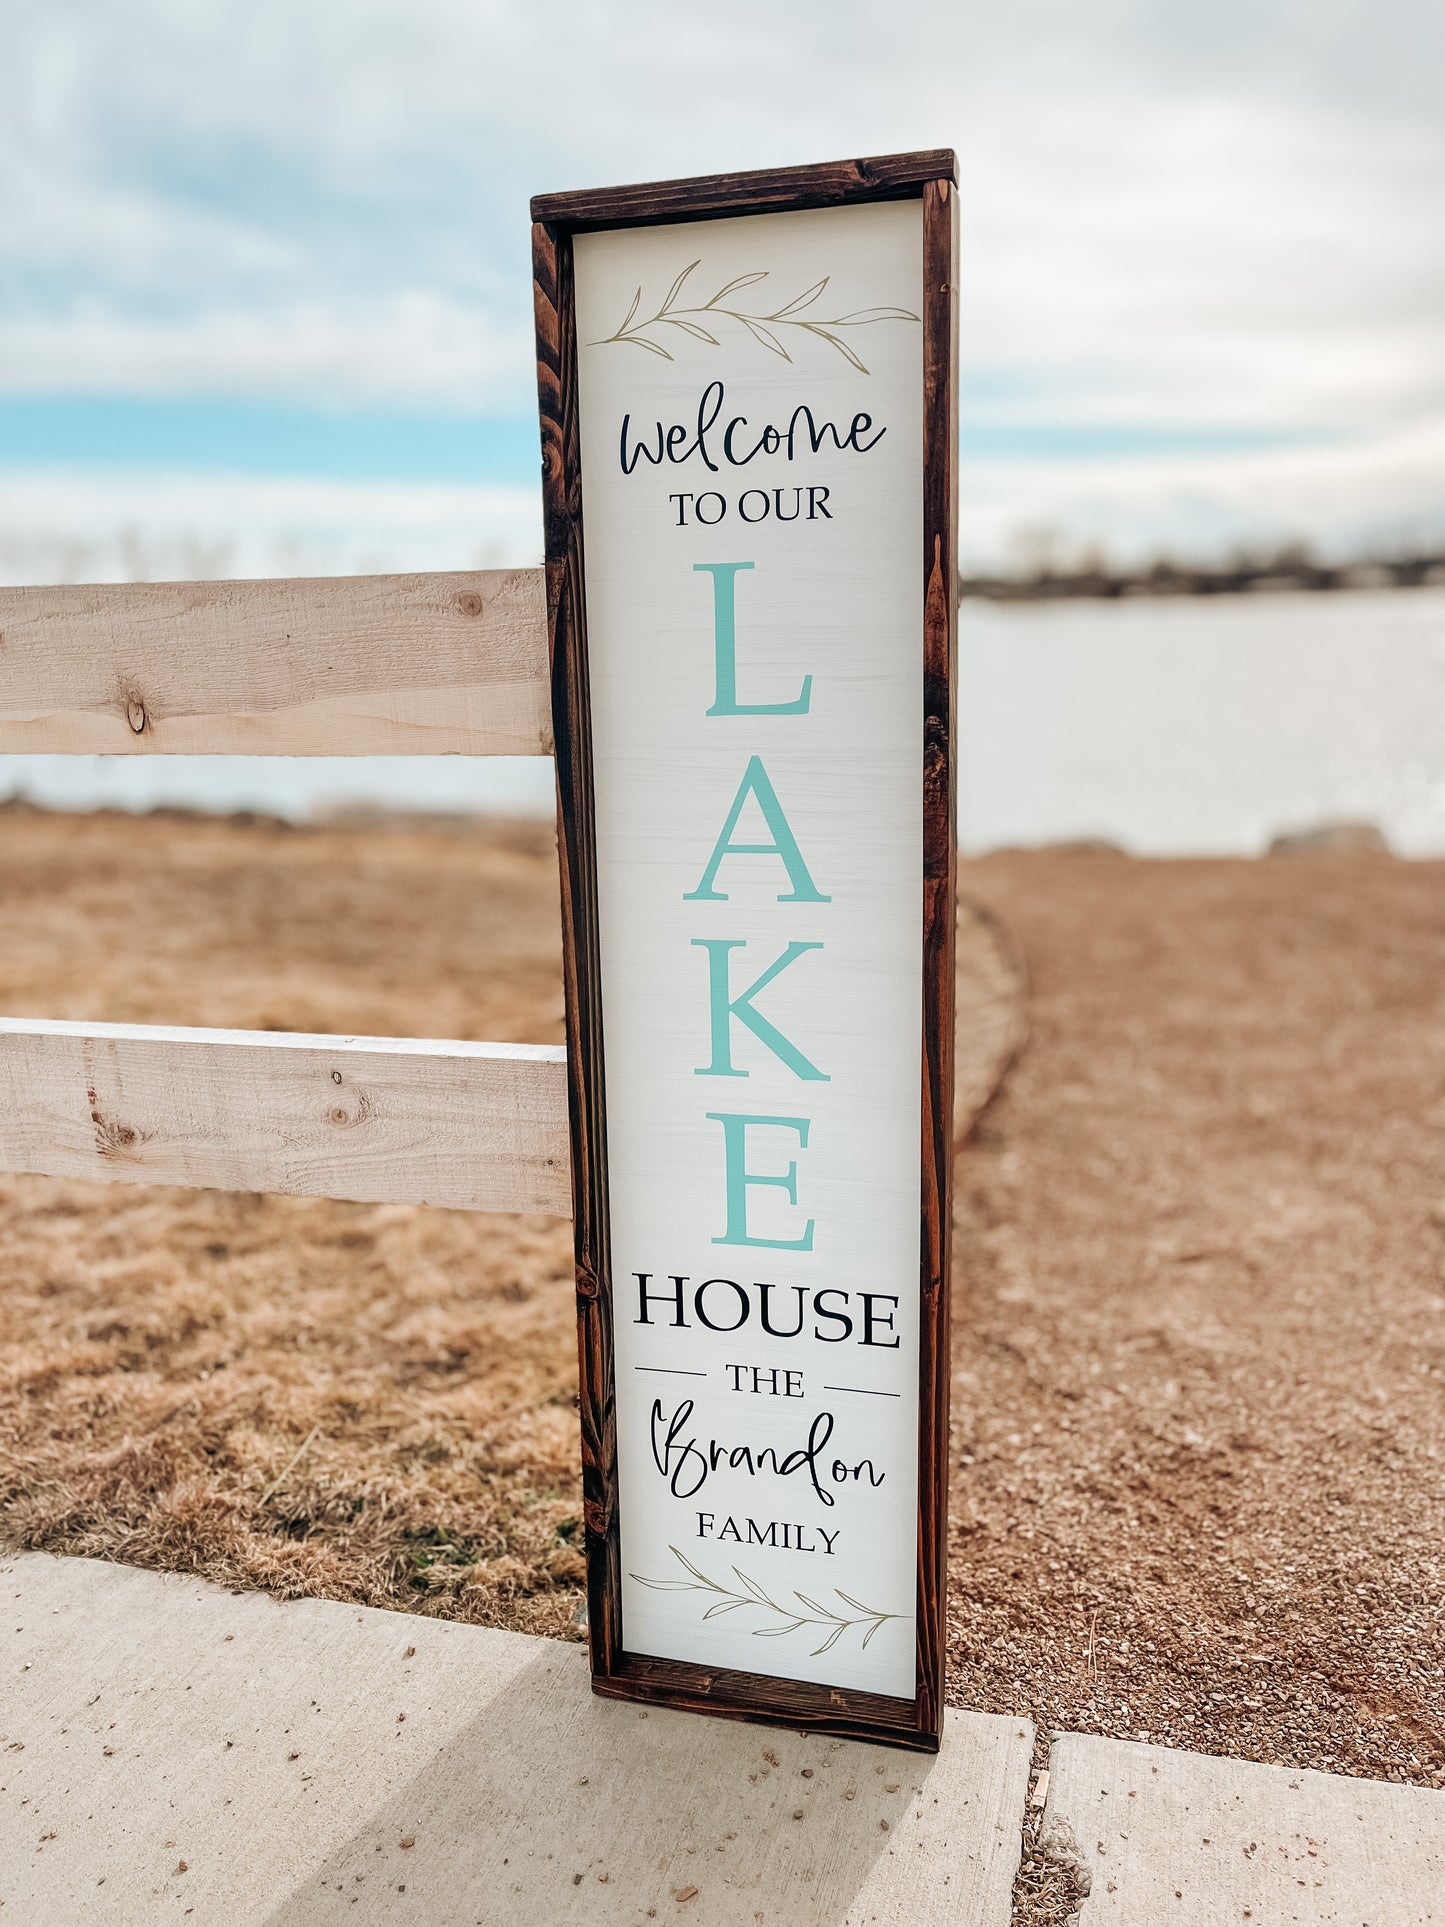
725,648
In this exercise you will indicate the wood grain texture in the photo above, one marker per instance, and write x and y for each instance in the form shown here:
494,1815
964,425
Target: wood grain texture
582,979
616,1673
398,665
762,191
478,1127
845,1712
940,875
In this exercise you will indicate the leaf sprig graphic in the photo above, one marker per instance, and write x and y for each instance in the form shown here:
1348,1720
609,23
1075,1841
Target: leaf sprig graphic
765,327
814,1614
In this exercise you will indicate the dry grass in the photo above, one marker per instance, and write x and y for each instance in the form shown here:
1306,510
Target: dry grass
168,1354
164,1354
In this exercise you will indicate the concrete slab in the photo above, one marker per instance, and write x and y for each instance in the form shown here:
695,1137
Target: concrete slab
168,1750
1180,1837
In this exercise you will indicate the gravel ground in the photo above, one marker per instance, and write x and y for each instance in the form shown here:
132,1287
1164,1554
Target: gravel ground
1199,1408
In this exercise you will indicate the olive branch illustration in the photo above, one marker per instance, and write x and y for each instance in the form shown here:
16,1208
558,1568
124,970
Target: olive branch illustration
762,327
814,1614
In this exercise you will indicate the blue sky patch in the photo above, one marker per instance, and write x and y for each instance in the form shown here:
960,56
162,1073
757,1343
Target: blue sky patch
239,436
235,435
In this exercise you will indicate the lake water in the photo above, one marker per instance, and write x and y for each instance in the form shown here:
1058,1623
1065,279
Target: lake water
1207,725
1171,728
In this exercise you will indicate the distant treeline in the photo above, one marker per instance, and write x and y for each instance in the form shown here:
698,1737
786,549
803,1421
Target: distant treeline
1291,567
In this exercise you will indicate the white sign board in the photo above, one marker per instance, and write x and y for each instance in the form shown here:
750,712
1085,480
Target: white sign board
751,402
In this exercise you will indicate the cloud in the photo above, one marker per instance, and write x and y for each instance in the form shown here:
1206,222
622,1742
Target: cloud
1174,218
1382,492
414,346
60,525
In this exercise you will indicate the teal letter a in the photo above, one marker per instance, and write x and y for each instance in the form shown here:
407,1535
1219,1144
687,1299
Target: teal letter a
757,783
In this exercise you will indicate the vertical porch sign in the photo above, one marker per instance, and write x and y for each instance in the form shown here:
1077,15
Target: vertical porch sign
747,404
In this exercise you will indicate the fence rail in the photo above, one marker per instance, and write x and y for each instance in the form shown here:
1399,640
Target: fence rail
480,1127
391,665
333,666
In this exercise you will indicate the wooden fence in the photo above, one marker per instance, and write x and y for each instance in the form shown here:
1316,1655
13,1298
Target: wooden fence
397,665
351,666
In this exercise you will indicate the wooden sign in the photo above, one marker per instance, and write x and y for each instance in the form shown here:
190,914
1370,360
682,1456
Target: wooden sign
748,423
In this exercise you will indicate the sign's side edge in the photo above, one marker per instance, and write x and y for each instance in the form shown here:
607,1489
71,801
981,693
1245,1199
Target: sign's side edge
940,875
761,191
557,400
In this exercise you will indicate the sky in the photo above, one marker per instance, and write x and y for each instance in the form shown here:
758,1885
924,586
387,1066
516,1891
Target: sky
264,269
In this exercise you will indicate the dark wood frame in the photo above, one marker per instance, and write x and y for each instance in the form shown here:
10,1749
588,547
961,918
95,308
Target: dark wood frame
932,178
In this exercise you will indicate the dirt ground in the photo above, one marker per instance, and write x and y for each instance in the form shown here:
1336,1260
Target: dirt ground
1199,1398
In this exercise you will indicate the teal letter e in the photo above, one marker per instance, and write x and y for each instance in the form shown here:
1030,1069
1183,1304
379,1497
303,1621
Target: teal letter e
735,1132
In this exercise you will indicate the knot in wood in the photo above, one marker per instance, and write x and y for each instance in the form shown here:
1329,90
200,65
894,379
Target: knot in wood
114,1139
135,712
595,1516
470,603
347,1119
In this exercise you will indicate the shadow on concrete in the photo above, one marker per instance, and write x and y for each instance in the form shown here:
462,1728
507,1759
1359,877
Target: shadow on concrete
552,1807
